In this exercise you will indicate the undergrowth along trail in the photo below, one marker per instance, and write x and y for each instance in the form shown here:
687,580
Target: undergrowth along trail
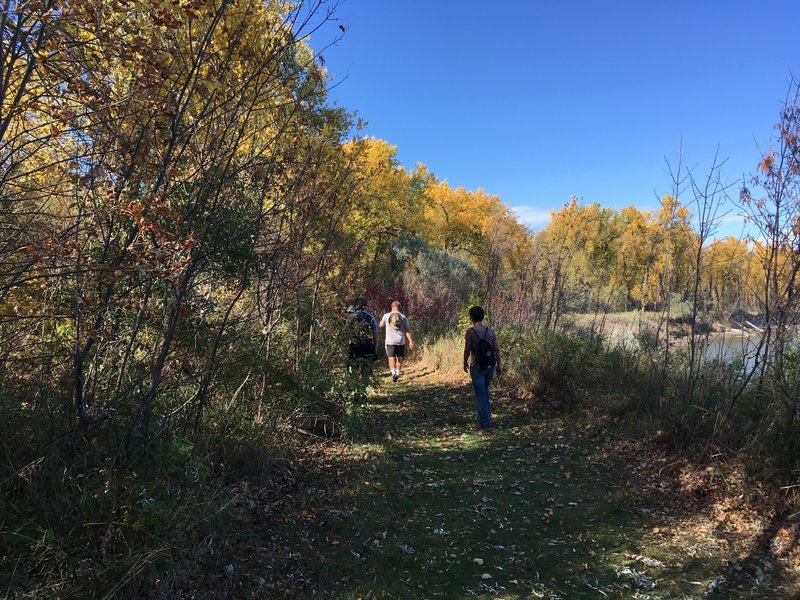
538,508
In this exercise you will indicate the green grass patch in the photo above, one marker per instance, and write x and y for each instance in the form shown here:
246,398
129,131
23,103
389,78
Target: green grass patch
531,510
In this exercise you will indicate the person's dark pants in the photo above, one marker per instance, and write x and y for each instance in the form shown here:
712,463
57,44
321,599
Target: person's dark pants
364,349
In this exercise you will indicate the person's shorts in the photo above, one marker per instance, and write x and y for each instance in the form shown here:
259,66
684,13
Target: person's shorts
398,350
362,350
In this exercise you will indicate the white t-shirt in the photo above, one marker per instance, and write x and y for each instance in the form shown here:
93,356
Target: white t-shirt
395,336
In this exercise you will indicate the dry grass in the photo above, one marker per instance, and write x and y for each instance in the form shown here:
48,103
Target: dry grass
614,323
444,356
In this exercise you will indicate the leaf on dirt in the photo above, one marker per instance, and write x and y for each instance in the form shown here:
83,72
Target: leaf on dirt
406,548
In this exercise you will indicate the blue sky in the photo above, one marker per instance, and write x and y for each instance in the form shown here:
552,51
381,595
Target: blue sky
536,102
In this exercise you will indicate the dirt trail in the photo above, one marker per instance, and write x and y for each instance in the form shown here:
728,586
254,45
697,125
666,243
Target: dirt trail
427,506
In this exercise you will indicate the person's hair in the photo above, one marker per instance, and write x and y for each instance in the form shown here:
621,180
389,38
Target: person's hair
361,302
476,314
396,304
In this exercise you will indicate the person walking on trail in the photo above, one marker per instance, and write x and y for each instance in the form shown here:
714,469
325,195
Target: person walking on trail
363,328
397,333
482,362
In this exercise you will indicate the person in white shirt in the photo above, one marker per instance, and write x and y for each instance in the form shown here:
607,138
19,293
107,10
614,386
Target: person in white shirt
398,332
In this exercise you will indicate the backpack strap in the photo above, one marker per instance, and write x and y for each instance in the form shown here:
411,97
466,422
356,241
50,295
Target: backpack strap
485,334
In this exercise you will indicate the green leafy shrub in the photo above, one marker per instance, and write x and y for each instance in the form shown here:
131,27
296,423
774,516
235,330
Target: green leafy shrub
548,366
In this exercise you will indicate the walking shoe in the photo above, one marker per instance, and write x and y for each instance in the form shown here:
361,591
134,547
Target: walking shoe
395,378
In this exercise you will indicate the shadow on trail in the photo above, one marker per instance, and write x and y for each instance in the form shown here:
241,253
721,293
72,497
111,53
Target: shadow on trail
533,509
435,409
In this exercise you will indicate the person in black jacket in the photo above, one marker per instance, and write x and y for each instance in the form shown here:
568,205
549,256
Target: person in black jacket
363,328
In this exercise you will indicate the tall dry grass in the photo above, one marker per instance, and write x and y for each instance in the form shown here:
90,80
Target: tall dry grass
444,355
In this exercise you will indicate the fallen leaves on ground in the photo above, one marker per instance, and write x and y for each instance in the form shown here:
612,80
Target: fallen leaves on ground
538,508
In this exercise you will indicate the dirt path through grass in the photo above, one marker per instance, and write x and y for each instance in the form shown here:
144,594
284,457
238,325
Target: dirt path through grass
534,509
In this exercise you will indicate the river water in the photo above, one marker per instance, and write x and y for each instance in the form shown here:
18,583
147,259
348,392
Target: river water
729,346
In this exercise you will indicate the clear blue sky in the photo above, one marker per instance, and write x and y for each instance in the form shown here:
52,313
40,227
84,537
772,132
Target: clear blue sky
538,101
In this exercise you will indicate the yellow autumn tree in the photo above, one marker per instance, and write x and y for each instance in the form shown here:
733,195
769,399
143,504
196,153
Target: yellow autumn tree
387,203
478,226
160,157
730,275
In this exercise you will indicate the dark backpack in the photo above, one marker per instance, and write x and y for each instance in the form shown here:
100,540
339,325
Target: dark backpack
485,356
361,327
